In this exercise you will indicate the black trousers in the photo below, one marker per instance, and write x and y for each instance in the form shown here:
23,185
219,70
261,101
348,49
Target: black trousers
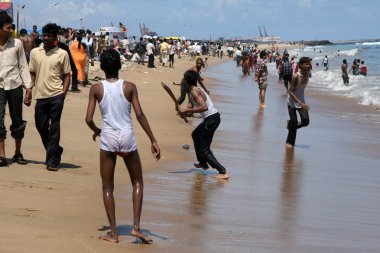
171,59
14,98
293,124
151,61
48,123
202,138
287,80
74,79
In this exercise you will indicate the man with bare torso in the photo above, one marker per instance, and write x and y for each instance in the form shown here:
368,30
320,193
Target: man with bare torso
27,42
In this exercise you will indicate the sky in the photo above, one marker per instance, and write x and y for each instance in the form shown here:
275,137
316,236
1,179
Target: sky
204,19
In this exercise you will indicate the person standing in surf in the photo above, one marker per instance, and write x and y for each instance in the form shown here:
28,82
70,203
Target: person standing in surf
204,132
345,77
261,77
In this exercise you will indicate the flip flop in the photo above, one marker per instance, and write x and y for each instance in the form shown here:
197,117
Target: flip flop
19,158
3,162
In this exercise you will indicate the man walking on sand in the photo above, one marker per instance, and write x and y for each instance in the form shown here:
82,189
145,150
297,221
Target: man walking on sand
27,43
286,70
14,74
115,98
296,101
164,48
50,71
204,132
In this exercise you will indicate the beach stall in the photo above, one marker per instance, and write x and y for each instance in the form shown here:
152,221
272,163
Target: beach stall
173,37
113,31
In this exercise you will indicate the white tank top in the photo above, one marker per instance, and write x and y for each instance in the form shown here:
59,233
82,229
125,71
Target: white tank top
115,108
299,91
210,105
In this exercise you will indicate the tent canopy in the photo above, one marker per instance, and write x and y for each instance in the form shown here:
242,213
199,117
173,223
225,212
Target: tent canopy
173,37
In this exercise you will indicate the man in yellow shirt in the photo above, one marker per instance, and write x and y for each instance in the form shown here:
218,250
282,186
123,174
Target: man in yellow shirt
14,32
50,71
164,48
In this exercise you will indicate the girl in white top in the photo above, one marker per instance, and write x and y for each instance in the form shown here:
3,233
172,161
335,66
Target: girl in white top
115,98
204,132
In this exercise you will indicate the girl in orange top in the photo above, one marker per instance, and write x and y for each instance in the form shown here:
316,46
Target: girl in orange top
78,52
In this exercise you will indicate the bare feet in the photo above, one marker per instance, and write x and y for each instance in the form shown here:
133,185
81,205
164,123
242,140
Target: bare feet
222,176
287,145
201,166
138,234
110,238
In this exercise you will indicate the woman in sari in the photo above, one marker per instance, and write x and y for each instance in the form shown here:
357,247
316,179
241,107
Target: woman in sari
78,51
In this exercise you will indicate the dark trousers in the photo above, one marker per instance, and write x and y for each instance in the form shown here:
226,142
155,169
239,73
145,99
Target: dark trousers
238,58
14,98
74,78
287,80
48,123
151,61
171,60
293,123
141,58
202,138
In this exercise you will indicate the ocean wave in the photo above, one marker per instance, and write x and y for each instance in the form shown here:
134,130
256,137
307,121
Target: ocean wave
371,43
361,88
310,49
350,52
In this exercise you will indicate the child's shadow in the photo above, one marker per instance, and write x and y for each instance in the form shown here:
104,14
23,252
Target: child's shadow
126,230
61,165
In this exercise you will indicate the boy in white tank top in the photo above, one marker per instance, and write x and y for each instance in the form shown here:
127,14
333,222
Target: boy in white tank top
118,140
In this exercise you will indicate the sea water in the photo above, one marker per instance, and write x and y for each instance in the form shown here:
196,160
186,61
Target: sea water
363,89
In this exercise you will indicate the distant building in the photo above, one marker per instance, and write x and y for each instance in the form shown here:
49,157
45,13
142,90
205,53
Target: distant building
263,39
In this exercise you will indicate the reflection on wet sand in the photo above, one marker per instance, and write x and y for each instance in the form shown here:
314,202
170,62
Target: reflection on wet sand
289,192
258,120
202,187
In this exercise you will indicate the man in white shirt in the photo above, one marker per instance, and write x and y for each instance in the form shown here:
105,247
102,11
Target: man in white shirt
238,56
150,52
14,73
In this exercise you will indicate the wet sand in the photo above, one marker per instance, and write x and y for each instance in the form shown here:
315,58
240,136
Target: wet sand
320,197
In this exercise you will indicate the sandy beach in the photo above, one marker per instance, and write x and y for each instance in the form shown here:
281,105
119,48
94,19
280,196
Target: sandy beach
320,197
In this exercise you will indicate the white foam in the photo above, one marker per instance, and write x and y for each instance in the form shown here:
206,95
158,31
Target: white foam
361,88
310,48
371,43
350,52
